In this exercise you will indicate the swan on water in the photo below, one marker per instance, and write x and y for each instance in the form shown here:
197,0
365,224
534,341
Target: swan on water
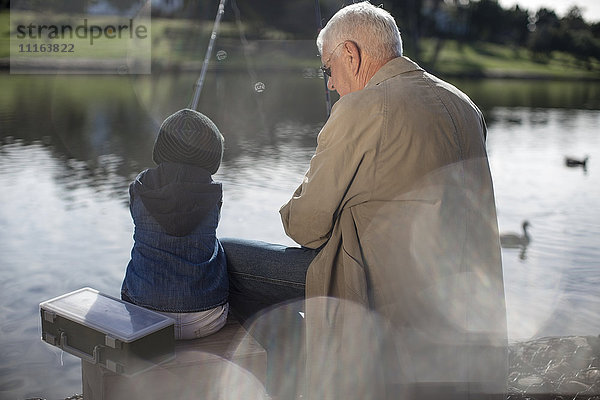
514,240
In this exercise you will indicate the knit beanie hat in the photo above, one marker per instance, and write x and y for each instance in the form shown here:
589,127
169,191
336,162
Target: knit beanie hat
189,137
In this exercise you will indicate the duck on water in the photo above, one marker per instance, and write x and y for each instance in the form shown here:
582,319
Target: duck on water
575,162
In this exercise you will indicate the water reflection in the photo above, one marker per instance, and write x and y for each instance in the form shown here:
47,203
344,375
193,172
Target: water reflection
493,93
69,146
531,182
85,119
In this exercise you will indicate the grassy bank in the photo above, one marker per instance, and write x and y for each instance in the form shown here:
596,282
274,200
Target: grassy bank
493,60
181,44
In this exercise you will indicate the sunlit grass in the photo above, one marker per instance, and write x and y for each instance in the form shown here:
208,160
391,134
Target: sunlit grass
488,59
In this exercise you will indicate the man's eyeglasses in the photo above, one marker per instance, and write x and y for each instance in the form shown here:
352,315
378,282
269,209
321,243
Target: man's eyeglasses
327,70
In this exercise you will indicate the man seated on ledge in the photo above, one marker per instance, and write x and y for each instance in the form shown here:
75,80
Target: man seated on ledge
395,215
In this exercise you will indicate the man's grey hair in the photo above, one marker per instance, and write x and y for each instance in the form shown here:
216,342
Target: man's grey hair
372,28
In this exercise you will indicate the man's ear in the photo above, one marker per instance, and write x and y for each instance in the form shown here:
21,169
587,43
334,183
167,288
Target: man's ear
353,52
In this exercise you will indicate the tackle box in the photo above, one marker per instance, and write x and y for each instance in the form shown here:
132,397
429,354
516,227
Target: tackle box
120,336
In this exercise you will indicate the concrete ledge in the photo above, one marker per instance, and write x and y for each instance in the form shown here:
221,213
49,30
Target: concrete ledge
206,368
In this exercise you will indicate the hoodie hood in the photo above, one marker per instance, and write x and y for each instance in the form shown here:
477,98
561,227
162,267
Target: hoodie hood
178,196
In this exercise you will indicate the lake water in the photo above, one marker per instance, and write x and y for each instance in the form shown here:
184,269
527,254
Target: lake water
70,145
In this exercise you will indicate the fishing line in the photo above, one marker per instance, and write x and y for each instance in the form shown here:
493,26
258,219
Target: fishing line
211,43
256,84
325,78
200,82
244,40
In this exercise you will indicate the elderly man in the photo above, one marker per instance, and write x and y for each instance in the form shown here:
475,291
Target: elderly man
398,208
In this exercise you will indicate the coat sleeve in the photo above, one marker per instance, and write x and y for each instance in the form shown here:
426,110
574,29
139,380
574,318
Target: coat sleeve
330,182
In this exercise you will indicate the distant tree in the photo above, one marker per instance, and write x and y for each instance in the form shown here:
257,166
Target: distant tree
578,38
574,20
595,30
204,10
125,5
546,18
462,20
410,19
444,20
263,11
517,20
545,33
486,21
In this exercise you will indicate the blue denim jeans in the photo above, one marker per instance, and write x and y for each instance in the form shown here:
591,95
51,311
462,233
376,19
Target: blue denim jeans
263,275
266,293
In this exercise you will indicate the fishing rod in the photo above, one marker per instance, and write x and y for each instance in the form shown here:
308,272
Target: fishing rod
211,43
325,79
213,37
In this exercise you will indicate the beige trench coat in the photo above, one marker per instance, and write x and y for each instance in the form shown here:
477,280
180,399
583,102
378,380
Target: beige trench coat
400,196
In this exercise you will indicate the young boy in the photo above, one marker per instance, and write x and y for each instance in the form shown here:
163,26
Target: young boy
177,265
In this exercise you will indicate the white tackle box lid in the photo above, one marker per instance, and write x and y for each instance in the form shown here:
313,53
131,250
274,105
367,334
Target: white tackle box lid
117,318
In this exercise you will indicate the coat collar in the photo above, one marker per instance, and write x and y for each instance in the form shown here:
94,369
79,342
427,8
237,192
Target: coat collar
396,66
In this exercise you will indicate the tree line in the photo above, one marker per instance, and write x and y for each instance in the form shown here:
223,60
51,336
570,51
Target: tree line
541,31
